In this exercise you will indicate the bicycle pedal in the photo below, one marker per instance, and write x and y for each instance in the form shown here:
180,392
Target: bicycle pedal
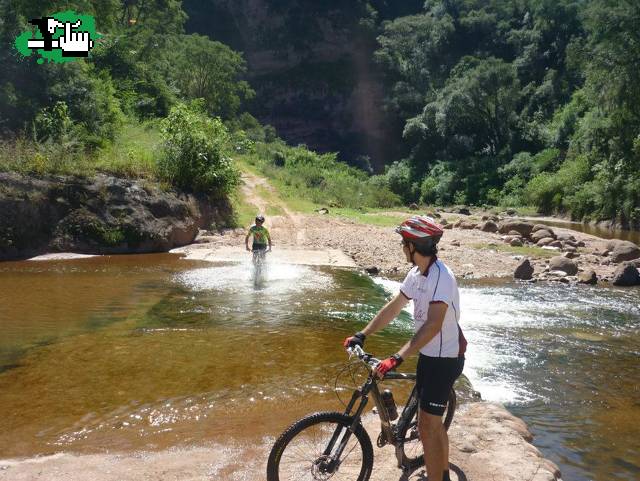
382,441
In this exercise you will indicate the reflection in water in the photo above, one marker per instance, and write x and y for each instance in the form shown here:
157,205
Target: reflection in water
137,352
598,231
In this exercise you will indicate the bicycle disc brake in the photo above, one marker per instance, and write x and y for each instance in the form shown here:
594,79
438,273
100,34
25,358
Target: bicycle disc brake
382,441
323,468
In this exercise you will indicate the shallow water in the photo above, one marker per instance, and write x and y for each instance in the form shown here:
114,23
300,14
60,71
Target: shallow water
130,352
599,231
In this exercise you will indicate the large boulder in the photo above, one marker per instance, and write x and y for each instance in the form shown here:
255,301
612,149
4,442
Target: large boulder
624,251
566,237
541,234
468,225
545,241
489,226
538,227
523,228
524,270
560,263
626,275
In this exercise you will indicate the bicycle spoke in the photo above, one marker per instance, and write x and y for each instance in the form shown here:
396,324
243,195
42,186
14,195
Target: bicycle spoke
303,457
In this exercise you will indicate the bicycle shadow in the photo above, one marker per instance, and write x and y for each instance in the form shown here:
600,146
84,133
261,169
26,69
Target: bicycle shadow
422,475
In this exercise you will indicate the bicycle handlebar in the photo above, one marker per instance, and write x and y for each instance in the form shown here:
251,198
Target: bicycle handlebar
372,362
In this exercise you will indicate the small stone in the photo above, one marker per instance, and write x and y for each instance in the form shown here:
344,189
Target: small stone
373,270
467,447
588,277
455,243
516,242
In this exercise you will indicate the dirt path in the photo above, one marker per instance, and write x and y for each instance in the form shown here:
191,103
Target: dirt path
289,226
317,239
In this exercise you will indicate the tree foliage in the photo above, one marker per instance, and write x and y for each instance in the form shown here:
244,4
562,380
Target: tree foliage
533,101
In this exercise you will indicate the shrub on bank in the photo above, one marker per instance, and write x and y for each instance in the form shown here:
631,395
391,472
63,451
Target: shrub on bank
195,156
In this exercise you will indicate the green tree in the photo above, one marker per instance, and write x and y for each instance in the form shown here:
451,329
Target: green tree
209,70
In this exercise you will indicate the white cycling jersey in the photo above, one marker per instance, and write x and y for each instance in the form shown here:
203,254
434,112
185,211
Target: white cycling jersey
437,285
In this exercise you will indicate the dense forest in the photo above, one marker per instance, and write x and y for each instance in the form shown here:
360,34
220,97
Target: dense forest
482,102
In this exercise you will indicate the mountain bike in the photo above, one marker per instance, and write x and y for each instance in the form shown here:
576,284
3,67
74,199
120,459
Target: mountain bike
333,445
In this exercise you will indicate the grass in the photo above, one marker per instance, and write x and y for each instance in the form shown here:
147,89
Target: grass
132,154
523,251
376,217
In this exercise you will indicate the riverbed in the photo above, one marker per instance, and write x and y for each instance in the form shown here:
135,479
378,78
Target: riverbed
146,352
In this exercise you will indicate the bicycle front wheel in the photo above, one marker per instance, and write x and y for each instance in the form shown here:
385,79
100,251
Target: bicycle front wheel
412,450
309,450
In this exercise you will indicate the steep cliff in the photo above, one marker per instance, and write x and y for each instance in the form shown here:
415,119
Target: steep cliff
311,65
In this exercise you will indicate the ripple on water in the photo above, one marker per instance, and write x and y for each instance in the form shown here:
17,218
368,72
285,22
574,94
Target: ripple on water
275,279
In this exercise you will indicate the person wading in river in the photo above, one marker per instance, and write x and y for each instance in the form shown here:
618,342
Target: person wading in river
438,337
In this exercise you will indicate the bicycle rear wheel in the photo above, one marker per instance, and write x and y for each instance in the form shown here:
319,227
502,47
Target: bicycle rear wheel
412,450
305,451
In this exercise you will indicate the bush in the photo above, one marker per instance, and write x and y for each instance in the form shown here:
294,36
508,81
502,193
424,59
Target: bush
401,182
195,151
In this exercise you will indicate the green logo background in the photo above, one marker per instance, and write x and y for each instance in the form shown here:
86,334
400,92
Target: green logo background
88,25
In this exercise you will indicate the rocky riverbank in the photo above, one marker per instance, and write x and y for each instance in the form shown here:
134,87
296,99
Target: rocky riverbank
98,215
487,442
475,247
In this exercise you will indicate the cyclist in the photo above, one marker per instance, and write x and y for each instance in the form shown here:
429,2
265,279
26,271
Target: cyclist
260,235
431,286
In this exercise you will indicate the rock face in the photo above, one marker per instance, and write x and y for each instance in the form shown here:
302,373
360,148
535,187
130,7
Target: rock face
102,215
626,275
524,270
523,228
560,263
311,67
623,251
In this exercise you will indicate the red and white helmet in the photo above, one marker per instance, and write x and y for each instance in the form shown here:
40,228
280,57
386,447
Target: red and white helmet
420,228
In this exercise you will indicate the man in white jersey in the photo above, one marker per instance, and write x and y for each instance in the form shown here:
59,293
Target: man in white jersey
438,337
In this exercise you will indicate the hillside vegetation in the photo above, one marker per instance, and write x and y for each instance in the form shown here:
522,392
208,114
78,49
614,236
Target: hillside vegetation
501,102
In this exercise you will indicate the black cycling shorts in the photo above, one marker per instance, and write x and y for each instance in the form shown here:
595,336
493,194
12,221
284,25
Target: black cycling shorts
259,247
434,379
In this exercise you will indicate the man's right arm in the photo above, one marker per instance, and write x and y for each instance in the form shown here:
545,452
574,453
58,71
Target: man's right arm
387,314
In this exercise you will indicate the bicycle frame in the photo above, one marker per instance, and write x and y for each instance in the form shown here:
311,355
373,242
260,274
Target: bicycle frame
389,431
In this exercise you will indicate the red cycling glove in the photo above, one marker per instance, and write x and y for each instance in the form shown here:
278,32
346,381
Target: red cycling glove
388,364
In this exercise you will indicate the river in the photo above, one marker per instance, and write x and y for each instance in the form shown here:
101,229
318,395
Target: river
121,353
